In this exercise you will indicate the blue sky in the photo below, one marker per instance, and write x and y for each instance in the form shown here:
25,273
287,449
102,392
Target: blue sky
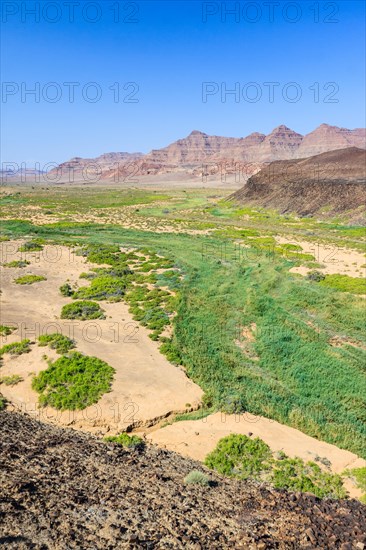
168,50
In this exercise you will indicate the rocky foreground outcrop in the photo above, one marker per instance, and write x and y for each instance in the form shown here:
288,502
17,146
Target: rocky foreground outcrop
335,180
60,489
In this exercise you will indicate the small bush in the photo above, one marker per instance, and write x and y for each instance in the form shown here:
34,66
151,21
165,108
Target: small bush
82,310
29,279
31,246
62,344
73,382
5,330
17,263
359,475
11,380
66,290
16,348
103,288
315,276
125,440
197,478
239,456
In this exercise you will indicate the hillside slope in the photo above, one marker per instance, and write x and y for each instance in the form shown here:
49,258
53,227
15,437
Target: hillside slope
334,180
64,489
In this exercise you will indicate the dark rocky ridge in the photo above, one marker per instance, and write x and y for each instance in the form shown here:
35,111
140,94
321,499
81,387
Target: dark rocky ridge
60,489
335,180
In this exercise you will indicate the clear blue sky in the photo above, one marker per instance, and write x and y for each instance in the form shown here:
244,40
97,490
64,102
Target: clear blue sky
169,52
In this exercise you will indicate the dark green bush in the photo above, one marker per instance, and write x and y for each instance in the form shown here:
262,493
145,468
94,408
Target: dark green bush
66,290
73,382
82,310
62,344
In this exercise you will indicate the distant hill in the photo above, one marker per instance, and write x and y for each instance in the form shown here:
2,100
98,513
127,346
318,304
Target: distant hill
200,153
335,180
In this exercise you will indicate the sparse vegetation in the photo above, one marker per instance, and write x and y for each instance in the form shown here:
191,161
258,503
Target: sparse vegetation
5,330
17,263
125,440
344,283
31,246
359,475
195,477
29,279
73,382
16,348
11,380
83,310
62,344
66,290
240,456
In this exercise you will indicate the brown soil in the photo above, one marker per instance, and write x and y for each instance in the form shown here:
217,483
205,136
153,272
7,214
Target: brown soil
63,489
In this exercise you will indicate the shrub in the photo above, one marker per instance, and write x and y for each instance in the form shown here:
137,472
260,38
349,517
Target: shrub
17,263
359,475
59,342
125,440
2,402
103,288
16,348
315,276
295,475
11,380
66,290
31,246
5,330
29,279
243,457
239,456
195,477
82,310
73,382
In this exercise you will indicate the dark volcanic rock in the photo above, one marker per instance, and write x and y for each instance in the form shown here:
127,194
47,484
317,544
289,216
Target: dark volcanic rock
60,489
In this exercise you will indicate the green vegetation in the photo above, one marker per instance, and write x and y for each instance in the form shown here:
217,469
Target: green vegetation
66,290
17,263
16,348
82,310
344,283
125,440
195,477
29,279
359,475
5,330
290,370
73,382
31,246
62,344
245,458
11,380
2,402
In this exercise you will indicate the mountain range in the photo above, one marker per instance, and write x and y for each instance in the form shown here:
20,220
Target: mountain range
198,153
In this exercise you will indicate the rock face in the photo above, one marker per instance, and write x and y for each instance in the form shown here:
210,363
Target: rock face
199,153
92,168
335,180
64,489
329,138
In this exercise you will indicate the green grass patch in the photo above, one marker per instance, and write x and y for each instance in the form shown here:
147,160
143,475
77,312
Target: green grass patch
126,441
344,283
62,344
29,279
16,348
17,263
73,382
5,330
11,380
31,246
83,310
245,458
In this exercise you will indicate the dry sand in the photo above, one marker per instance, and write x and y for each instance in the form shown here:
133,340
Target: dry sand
146,386
335,259
196,438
